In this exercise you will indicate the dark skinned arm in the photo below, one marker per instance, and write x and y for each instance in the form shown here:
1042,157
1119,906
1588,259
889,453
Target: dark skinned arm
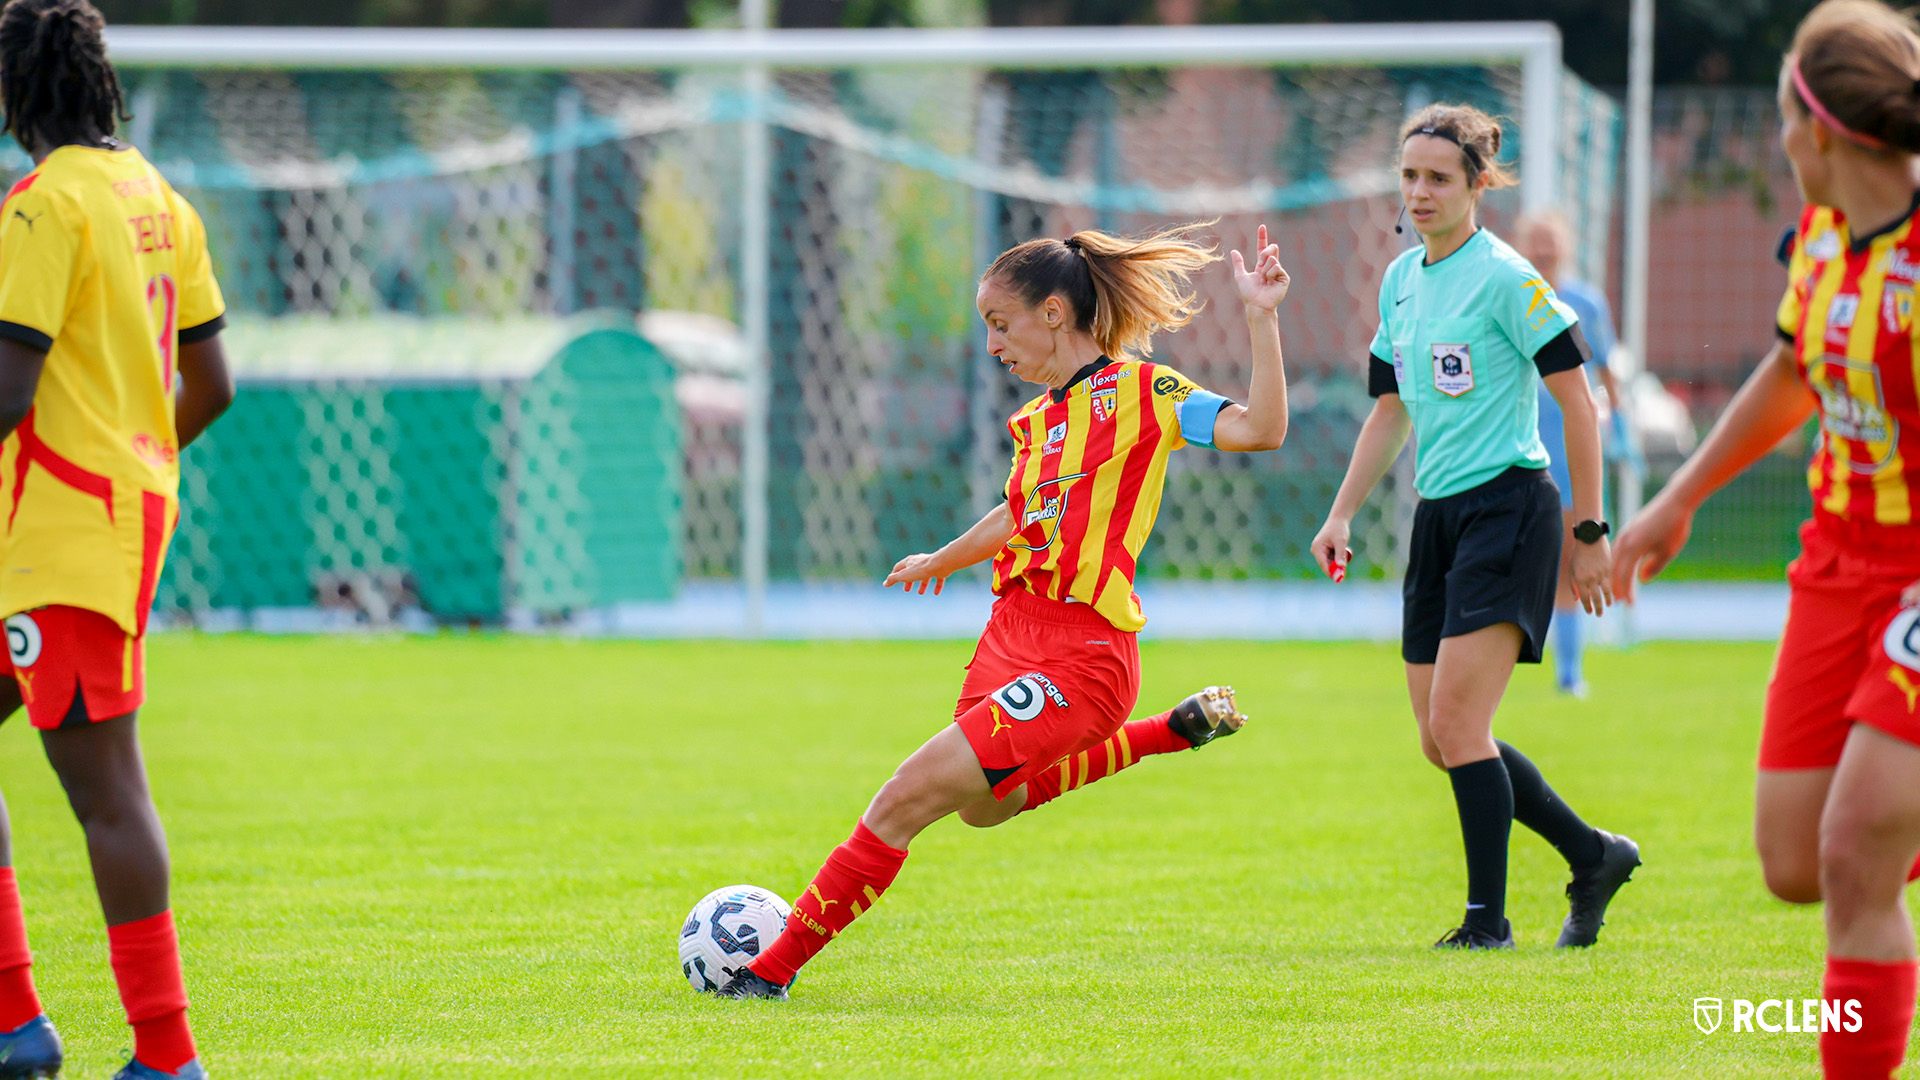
20,366
206,388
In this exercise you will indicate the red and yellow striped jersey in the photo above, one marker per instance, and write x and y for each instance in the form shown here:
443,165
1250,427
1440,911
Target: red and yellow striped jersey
1088,468
1849,311
104,267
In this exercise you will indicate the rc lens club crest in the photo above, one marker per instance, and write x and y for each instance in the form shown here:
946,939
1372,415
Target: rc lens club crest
1706,1015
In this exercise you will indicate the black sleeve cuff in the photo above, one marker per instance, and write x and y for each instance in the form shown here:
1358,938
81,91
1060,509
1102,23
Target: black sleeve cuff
194,335
1380,380
1783,334
1783,251
25,335
1567,350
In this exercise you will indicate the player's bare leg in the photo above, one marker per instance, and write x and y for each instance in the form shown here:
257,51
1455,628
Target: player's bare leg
9,704
1204,716
100,767
988,812
941,777
1869,837
29,1046
1786,830
1787,805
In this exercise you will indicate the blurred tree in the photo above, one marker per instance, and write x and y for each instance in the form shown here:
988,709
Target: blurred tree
337,13
1730,41
1713,41
1068,12
601,14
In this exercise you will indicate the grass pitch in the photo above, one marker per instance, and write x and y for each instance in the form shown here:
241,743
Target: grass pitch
463,855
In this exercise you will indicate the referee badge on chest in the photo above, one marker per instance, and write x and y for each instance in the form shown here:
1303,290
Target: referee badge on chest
1452,369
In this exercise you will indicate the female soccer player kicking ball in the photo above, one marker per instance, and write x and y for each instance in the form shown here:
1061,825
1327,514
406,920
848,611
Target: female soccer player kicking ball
1058,670
106,298
1837,807
1468,329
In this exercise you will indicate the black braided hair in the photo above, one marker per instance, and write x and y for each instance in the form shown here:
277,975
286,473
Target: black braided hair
56,86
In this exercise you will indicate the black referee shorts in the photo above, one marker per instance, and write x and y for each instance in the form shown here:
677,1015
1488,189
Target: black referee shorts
1486,556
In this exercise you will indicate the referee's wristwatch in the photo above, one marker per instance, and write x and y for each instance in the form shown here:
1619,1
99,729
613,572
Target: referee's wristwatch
1590,532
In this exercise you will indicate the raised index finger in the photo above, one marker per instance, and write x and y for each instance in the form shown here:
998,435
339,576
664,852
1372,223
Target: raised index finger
1263,238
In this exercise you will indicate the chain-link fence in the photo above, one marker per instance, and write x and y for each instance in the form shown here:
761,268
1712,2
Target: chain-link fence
1723,196
426,426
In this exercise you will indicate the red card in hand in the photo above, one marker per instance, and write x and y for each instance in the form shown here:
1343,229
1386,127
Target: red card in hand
1339,573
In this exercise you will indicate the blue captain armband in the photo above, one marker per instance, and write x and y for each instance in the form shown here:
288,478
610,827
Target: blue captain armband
1197,416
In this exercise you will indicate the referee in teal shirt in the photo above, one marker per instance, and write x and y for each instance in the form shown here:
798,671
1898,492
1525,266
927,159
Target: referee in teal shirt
1468,330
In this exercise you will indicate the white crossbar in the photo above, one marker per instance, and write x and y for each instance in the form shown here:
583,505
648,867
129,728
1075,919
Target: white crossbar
1128,46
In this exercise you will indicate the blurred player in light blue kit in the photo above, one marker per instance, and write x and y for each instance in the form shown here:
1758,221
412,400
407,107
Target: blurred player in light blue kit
1546,241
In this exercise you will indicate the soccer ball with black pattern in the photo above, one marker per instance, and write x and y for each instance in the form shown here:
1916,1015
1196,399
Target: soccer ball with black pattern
726,930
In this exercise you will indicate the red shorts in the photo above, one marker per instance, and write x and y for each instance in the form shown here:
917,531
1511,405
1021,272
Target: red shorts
74,666
1049,679
1850,654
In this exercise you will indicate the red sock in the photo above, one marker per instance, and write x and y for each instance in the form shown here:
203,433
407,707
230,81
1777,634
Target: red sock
1885,992
1135,739
18,1001
855,876
146,966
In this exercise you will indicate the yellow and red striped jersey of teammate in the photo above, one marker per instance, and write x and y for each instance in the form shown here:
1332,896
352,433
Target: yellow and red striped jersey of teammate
1849,313
105,269
1089,466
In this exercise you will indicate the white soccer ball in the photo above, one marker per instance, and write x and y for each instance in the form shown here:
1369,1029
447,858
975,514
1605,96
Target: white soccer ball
726,930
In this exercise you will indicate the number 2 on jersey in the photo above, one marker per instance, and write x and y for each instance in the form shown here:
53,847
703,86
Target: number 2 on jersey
161,287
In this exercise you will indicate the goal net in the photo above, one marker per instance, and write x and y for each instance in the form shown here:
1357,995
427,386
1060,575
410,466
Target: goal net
524,334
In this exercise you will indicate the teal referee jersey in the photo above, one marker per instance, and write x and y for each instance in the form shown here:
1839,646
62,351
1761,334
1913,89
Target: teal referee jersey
1464,338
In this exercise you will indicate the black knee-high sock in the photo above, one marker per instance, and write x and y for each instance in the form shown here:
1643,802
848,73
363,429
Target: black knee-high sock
1484,797
1537,807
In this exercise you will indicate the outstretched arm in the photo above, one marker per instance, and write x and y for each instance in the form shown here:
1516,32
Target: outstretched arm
1260,424
977,544
1770,406
1380,442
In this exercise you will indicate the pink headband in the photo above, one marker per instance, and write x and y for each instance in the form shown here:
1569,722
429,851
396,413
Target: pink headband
1827,118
